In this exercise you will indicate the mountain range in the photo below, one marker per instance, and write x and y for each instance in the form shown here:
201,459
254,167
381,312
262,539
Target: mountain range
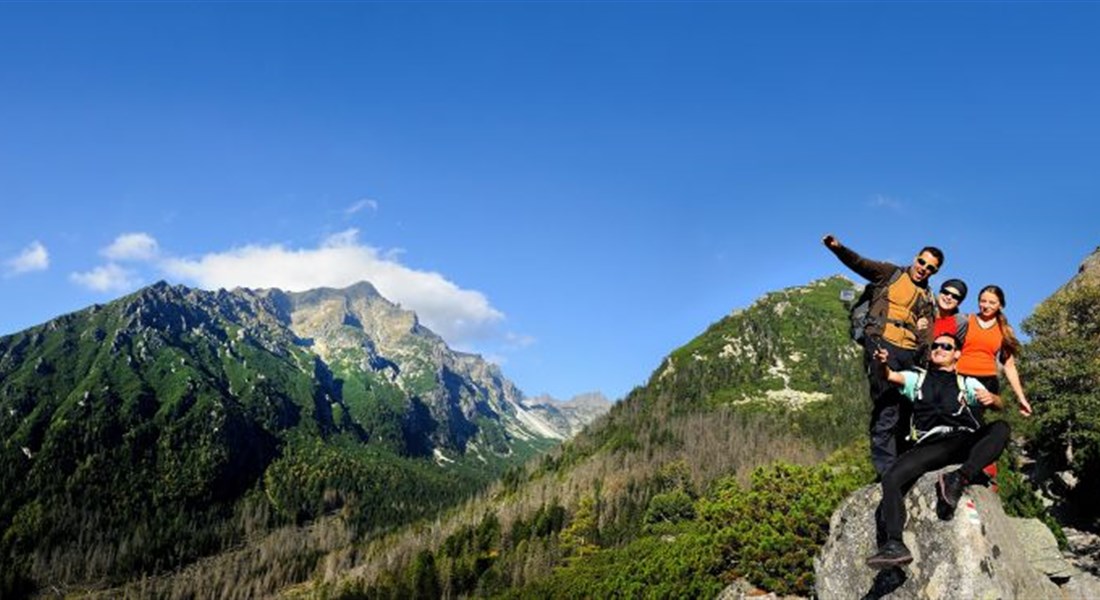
145,433
775,381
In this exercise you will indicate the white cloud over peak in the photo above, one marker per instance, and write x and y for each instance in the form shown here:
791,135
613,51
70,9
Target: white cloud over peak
459,315
34,257
132,246
108,278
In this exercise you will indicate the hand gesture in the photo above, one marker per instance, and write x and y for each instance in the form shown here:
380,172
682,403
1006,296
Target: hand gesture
830,241
922,323
1025,406
985,397
881,355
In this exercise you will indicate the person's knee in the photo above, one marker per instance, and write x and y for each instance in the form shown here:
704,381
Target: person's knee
893,480
1000,430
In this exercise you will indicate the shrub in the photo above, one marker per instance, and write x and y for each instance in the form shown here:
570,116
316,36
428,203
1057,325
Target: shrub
670,507
769,533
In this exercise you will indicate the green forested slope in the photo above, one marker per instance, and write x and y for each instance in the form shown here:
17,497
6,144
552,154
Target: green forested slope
173,424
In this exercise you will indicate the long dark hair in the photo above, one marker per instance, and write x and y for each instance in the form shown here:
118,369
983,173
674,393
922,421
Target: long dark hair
1011,345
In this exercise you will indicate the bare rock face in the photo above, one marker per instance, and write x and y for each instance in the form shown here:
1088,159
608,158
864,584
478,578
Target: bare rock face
979,553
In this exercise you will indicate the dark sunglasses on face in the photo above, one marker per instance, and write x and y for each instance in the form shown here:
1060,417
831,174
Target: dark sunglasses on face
939,346
957,297
931,268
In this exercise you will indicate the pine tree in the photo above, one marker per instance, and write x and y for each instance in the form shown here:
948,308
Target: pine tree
1061,368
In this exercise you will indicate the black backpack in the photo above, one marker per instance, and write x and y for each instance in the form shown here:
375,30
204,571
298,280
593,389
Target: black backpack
860,315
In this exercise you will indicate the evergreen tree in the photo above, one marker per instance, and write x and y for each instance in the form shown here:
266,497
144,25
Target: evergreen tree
1062,372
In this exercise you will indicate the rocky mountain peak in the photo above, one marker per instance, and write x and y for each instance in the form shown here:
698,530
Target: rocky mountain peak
1088,273
330,315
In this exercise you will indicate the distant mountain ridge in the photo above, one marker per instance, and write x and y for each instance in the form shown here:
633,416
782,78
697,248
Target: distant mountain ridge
569,417
144,424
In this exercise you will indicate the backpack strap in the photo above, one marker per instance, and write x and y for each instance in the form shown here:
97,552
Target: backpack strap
964,401
914,434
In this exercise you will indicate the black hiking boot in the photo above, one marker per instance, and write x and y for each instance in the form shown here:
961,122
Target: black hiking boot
893,553
949,490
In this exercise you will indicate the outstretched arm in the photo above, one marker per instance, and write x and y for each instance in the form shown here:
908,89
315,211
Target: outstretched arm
871,270
1013,377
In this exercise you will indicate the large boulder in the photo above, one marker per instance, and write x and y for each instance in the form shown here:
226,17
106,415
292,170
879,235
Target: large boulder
980,553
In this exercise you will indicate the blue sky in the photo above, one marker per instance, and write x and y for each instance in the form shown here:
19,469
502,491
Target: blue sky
570,189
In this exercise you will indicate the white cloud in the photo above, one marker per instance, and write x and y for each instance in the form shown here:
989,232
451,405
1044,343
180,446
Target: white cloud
518,340
34,257
108,278
360,205
883,201
459,315
132,246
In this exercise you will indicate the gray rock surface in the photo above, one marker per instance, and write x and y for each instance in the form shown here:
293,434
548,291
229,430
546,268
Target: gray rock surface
1042,550
1085,549
980,553
743,590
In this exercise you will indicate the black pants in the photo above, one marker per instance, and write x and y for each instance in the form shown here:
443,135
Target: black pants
890,412
973,450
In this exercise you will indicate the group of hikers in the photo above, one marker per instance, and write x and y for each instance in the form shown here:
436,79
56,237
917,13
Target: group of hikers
932,373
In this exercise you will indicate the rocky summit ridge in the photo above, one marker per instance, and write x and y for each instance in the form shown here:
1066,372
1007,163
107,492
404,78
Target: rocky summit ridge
356,329
1088,273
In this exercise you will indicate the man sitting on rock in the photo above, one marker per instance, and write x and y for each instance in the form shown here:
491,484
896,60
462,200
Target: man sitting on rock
947,423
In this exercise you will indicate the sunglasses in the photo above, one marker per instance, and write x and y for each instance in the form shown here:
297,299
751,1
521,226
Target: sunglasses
957,297
939,346
927,265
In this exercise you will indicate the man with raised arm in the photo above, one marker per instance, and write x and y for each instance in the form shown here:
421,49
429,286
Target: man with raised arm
899,321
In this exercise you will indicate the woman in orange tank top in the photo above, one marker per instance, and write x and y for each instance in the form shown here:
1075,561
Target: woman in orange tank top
989,340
